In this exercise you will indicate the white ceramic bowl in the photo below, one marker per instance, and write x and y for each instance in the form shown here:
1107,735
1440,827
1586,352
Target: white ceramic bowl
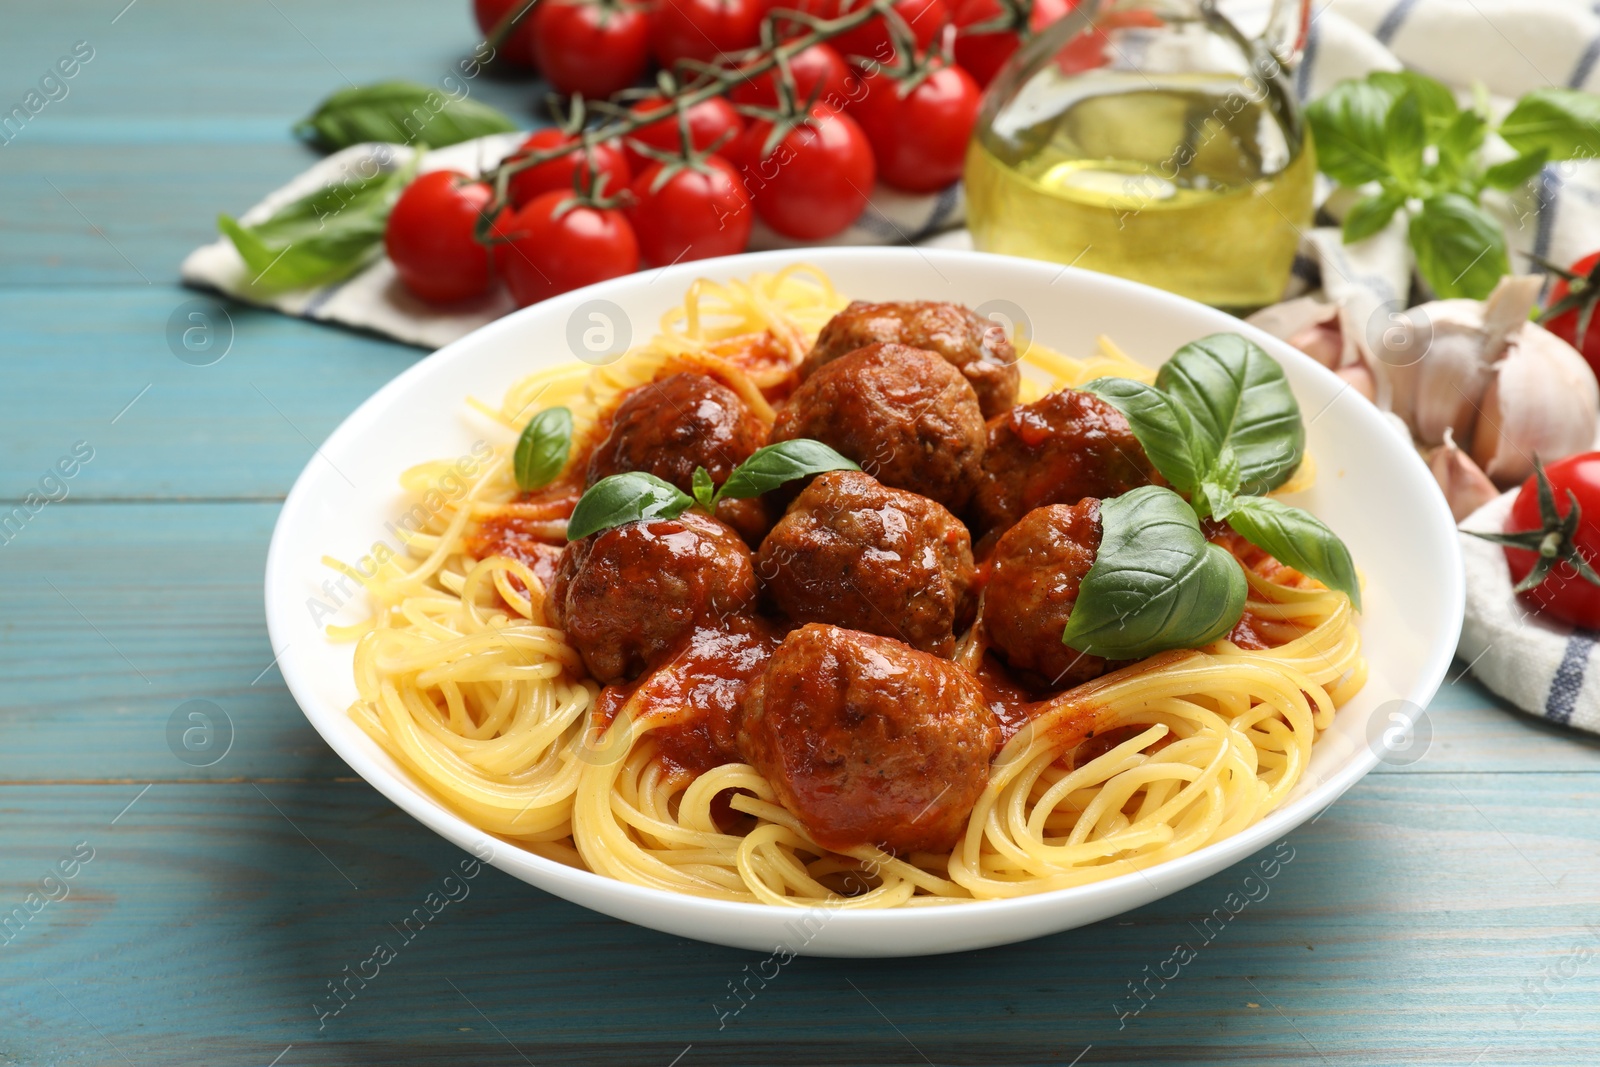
1371,488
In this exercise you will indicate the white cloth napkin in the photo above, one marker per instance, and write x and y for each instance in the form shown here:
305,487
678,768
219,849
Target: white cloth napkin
374,299
1545,668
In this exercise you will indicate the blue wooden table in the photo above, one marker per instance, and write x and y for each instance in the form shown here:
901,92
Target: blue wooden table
1446,912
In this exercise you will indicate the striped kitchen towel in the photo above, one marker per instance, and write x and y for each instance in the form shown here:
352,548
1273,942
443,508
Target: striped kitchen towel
1543,667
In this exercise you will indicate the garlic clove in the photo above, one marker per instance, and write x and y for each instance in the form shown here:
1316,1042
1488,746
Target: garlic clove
1543,401
1466,488
1361,379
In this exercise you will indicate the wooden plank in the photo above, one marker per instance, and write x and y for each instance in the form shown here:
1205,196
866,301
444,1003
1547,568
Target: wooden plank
213,917
171,610
240,428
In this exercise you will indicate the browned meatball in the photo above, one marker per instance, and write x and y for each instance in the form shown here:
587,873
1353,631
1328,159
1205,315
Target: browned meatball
629,596
855,553
868,741
1033,584
906,416
675,424
1057,450
977,348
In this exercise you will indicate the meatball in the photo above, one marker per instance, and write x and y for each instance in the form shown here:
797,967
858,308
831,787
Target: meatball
1033,584
868,741
977,348
906,416
858,554
1057,450
675,424
628,596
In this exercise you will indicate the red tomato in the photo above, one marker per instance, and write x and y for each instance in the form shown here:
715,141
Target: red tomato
818,70
551,247
593,47
520,46
429,237
870,40
1564,594
709,120
919,138
816,180
704,29
556,174
692,214
983,54
1565,324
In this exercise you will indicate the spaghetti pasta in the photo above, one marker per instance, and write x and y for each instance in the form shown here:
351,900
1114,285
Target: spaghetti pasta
463,682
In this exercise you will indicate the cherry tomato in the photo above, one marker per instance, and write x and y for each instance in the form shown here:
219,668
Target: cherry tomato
429,237
819,71
919,135
692,214
1564,594
709,120
816,180
553,245
704,29
593,47
556,174
870,40
520,46
1565,325
983,54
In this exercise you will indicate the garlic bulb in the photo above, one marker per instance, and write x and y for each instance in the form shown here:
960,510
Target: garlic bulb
1324,332
1466,488
1543,402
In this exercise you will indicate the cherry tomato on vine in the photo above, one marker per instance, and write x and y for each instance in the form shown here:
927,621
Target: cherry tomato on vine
593,47
819,71
554,244
520,47
704,29
1564,324
983,54
686,213
429,237
816,180
870,40
1552,540
556,174
919,129
709,120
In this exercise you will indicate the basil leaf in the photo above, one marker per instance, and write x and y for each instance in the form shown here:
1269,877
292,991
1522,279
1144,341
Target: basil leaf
1156,582
543,448
1347,126
399,112
1514,173
1460,250
1297,539
623,498
322,237
1437,103
1162,426
1371,214
772,466
704,491
1563,122
1459,142
1238,398
1404,137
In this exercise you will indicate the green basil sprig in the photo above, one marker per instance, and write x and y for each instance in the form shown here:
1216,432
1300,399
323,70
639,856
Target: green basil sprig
1156,582
634,495
543,448
322,237
1380,129
1222,426
399,112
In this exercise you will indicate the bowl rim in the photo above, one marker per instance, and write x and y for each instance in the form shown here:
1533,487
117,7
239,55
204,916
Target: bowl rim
585,885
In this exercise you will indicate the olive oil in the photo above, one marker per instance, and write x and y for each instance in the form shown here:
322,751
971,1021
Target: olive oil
1184,182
